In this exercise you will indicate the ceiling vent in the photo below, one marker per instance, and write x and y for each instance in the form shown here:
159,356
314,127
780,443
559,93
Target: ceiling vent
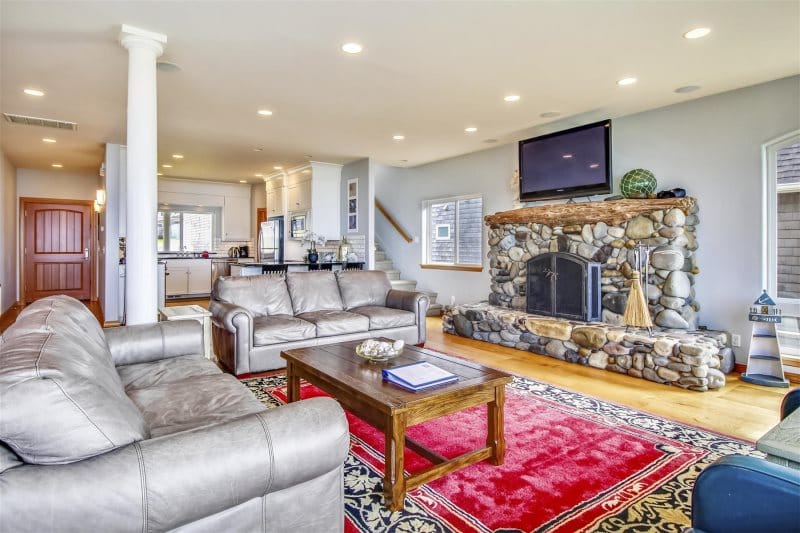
44,122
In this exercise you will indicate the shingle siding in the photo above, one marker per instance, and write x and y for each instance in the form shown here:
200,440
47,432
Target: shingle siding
789,243
468,233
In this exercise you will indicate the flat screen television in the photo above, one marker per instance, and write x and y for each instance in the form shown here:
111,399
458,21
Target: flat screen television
565,164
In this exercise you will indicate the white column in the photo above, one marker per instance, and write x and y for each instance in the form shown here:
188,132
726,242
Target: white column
141,289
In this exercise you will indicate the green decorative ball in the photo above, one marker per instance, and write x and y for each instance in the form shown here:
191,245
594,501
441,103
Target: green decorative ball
638,183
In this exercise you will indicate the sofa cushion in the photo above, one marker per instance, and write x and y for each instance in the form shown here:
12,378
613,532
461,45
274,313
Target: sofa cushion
313,291
336,322
68,400
385,317
261,295
281,328
143,375
193,403
360,288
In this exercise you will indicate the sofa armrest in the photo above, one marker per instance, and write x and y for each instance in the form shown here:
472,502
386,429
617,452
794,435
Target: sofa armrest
739,493
416,302
150,342
790,402
163,483
233,335
231,317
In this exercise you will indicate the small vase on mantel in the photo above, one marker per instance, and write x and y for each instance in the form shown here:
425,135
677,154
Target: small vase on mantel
344,249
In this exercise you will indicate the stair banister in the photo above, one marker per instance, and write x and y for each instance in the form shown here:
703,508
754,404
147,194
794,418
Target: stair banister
396,225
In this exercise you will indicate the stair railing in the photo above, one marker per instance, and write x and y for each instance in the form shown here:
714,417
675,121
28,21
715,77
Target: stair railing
396,225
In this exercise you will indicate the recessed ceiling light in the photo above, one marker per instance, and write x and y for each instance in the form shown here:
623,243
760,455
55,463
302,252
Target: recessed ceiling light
307,171
399,137
404,160
308,156
48,140
697,33
594,165
567,156
177,156
352,48
265,112
490,141
160,174
242,181
33,92
57,165
511,98
687,89
258,149
471,129
165,165
627,81
278,167
259,175
550,114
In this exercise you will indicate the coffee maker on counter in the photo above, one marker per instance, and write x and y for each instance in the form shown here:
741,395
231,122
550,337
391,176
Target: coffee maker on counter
239,251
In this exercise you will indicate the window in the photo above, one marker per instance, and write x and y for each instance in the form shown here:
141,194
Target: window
187,229
453,232
782,180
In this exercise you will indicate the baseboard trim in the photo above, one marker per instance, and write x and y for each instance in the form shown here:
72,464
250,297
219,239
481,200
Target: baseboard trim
111,324
741,368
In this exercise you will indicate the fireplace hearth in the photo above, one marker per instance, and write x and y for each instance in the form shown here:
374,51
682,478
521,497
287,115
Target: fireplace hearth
605,233
564,285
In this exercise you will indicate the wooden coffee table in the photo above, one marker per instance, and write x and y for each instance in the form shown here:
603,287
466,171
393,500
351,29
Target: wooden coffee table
358,385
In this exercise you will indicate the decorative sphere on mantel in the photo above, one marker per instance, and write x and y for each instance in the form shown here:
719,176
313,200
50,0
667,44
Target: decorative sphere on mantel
638,183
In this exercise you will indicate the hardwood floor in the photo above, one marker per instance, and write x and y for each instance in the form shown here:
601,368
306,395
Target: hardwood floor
739,409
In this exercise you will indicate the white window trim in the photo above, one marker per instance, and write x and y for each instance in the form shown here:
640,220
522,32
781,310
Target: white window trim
426,229
789,306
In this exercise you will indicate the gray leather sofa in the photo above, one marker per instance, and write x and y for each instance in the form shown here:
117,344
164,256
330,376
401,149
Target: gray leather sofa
254,318
132,429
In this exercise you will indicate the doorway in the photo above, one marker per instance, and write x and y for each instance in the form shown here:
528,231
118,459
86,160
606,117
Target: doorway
57,248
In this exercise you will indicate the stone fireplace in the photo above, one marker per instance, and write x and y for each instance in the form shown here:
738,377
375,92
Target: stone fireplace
563,285
603,233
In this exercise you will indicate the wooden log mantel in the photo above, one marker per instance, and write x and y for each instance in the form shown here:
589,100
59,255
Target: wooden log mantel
612,213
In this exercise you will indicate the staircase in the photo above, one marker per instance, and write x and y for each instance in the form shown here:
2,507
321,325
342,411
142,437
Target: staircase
382,262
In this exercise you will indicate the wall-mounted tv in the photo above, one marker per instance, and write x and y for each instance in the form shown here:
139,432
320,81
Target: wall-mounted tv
565,164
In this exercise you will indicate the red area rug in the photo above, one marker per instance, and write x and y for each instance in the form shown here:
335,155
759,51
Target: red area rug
573,463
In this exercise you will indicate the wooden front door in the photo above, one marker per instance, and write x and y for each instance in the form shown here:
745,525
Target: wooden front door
57,248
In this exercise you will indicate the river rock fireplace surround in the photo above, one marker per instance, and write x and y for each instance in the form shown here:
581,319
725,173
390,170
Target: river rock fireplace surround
602,234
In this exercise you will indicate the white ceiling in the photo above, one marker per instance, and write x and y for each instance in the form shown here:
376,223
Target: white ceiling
428,70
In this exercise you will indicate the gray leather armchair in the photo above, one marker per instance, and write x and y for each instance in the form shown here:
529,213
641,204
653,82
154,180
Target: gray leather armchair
255,318
132,429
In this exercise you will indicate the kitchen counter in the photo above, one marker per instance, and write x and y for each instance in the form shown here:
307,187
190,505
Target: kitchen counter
298,263
255,269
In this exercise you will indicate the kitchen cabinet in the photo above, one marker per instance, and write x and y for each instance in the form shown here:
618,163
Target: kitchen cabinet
299,195
187,276
236,218
275,202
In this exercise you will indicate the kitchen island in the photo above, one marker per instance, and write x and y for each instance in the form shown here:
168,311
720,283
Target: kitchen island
255,269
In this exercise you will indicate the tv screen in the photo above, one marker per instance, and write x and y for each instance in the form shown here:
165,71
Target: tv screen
573,162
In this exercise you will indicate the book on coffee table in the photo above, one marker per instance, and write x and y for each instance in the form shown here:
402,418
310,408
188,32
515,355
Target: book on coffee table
418,376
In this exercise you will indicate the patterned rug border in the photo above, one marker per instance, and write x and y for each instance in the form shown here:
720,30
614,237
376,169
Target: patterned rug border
666,508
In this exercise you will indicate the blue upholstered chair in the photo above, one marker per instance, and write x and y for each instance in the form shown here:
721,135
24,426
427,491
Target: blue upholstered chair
747,494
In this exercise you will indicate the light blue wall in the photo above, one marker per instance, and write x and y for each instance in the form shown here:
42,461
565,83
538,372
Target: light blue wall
710,146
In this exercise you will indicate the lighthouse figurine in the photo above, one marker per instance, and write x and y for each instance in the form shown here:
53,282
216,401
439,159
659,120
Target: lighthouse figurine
764,365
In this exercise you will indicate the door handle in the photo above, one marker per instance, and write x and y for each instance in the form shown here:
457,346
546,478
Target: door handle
86,253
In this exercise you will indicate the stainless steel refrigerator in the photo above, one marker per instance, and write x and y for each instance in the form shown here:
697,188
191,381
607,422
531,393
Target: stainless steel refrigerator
270,240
